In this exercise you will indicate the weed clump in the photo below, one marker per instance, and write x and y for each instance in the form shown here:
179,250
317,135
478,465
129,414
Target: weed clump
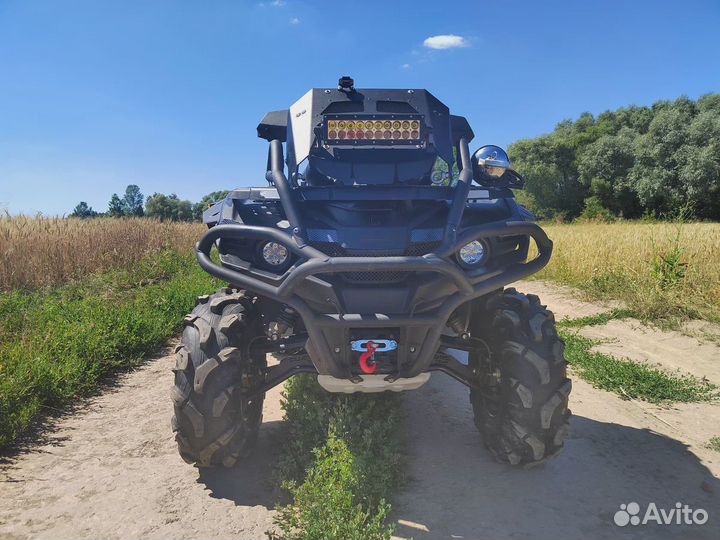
352,442
328,503
714,444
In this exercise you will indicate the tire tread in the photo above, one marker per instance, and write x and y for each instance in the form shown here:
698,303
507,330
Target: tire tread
212,425
531,416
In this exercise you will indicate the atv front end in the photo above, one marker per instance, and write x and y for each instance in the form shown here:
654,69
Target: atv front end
338,325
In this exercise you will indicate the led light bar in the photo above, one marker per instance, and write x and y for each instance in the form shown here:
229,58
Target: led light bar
393,130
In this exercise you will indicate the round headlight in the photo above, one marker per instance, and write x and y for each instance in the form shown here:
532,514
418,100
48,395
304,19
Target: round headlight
440,178
274,254
472,253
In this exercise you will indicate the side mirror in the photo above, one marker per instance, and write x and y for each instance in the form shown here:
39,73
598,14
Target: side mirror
491,165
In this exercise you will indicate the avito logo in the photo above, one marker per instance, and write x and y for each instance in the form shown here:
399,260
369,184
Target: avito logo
681,514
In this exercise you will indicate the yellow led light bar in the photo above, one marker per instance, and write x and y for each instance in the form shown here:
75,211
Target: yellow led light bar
396,130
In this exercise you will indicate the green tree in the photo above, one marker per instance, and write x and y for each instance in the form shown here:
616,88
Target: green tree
700,170
168,208
132,202
83,211
633,161
659,153
604,166
185,211
551,176
115,206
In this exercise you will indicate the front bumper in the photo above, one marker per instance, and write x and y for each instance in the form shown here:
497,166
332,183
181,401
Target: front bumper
419,333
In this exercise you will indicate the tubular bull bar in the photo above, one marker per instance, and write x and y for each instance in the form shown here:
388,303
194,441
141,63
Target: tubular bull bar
330,359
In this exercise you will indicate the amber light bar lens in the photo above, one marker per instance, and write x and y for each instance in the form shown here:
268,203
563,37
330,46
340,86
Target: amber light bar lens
395,130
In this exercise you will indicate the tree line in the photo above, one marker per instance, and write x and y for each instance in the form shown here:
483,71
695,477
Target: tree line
632,162
158,206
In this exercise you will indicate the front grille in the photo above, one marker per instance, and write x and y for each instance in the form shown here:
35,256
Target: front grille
426,235
336,250
330,248
373,277
421,248
324,236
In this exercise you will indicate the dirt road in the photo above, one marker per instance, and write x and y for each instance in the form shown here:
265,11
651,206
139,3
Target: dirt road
618,452
111,469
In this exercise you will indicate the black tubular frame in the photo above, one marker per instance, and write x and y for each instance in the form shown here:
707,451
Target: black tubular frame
313,262
276,174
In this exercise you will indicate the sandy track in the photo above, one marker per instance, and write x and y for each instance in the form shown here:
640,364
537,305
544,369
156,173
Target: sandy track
618,452
629,338
111,469
615,454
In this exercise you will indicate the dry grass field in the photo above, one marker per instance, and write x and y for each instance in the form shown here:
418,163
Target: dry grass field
660,270
37,252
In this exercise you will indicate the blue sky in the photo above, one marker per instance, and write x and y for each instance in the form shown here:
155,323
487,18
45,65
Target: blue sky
95,95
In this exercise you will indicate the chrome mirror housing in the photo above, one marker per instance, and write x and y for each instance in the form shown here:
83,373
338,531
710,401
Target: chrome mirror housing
489,163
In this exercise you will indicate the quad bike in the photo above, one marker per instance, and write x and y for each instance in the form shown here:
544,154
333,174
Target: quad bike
372,263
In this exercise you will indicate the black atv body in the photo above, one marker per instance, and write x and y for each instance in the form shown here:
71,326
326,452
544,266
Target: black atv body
352,255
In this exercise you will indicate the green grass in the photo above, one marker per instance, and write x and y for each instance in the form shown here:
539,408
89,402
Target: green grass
714,444
626,378
599,319
340,462
629,379
61,343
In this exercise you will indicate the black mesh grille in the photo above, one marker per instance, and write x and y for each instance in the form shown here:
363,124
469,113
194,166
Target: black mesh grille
421,248
336,250
330,248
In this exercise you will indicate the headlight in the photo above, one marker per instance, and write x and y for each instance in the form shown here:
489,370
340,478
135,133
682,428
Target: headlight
396,129
274,254
472,254
440,178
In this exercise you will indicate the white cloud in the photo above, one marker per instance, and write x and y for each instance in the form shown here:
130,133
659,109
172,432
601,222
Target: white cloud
294,20
448,41
278,3
406,66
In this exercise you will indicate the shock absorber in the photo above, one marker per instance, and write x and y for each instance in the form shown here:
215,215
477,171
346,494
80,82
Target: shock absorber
458,323
286,319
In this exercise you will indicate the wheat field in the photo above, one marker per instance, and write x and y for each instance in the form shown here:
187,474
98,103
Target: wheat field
38,252
607,260
624,260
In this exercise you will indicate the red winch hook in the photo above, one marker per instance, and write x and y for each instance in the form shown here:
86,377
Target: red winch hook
367,356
